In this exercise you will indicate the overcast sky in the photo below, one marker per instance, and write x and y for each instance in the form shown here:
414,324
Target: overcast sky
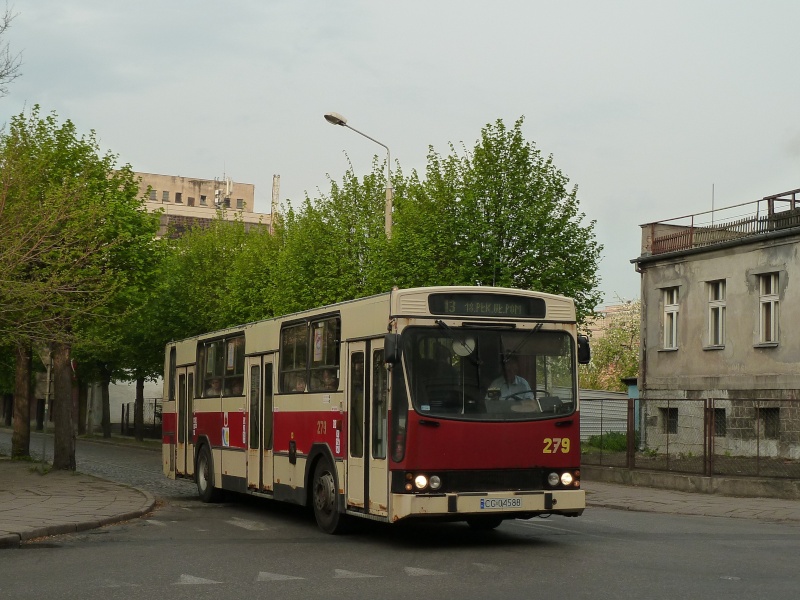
644,105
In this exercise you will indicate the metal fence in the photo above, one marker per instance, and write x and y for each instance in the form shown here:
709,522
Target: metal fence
715,436
152,418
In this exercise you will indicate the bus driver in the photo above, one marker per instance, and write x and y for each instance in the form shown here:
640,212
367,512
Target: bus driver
510,386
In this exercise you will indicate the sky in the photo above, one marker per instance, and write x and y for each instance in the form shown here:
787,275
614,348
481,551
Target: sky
653,109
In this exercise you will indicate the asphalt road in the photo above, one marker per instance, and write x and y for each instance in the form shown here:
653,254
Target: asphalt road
249,548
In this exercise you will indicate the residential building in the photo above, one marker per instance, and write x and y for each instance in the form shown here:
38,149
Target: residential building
719,299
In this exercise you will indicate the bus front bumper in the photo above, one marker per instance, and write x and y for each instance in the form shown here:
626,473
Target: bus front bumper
508,505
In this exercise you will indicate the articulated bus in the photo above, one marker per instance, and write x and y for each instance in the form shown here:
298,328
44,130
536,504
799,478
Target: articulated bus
450,403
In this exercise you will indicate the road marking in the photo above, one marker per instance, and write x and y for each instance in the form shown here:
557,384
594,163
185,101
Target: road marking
192,580
530,525
484,568
342,574
154,522
414,572
264,576
245,524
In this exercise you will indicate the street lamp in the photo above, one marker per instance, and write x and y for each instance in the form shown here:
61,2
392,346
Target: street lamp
337,119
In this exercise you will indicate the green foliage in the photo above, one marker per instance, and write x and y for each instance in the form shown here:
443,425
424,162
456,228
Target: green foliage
499,215
615,355
70,219
613,441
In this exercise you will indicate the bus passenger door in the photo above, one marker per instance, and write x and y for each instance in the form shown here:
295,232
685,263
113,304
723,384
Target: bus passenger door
259,443
378,476
184,460
356,430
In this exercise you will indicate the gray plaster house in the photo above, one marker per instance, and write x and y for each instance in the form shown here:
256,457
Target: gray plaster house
720,349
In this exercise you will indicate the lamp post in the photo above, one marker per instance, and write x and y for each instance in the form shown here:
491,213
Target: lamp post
337,119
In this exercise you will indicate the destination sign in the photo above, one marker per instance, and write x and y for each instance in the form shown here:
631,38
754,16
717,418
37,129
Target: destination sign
487,305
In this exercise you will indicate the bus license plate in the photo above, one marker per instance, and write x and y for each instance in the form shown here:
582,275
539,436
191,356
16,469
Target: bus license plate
500,503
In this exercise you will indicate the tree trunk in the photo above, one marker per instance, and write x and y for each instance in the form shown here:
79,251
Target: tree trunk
64,442
21,438
138,410
105,381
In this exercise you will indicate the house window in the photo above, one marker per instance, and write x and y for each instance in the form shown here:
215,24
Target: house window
720,423
178,198
152,195
671,318
669,420
768,308
240,203
769,423
203,201
716,313
165,196
190,201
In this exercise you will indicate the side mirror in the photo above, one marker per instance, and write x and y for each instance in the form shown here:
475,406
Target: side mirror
391,348
584,351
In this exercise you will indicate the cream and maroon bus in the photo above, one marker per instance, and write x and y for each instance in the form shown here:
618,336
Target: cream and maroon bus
454,403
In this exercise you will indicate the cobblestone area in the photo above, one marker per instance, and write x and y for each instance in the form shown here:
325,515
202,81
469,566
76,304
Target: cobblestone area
128,464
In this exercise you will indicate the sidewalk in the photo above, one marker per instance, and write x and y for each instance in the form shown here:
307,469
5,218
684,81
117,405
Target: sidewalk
650,499
34,505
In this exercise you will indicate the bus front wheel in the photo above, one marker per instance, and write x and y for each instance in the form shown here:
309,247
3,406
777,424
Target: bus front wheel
204,476
325,498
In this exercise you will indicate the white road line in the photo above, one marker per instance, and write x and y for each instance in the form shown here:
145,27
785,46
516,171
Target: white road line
264,576
192,580
342,574
530,525
249,525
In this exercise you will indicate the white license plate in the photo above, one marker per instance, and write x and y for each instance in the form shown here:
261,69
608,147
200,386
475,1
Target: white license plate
500,503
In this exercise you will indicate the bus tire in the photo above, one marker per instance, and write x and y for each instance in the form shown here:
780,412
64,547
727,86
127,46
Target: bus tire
204,476
325,499
484,523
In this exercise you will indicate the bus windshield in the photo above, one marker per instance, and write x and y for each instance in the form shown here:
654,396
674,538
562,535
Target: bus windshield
490,375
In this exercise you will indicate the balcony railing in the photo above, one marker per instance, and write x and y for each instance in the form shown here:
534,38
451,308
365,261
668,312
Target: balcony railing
769,214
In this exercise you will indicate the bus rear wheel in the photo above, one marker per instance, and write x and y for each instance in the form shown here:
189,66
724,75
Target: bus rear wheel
484,523
325,499
204,476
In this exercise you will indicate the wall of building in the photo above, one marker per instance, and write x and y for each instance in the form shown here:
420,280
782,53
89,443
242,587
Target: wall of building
741,364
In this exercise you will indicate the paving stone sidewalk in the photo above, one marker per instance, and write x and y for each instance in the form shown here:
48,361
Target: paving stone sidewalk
33,504
649,499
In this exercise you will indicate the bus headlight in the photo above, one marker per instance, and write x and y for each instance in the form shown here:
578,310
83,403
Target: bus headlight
421,482
435,482
566,478
553,479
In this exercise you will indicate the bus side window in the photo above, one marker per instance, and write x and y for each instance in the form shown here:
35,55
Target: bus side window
294,358
356,430
324,355
379,405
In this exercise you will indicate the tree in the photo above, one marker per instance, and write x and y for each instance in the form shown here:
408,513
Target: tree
61,209
10,64
334,248
615,352
500,215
